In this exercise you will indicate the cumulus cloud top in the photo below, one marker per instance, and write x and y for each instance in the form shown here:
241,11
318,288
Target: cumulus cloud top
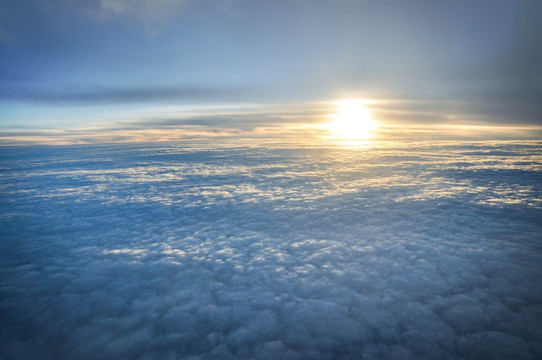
206,252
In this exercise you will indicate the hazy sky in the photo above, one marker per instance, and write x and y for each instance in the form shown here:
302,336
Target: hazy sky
68,64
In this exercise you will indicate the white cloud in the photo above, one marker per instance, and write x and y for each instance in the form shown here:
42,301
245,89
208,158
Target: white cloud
165,251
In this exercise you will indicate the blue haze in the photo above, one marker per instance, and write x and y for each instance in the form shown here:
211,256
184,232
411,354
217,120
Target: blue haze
165,251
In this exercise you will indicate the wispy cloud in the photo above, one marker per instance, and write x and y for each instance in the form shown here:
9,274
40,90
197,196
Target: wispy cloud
20,19
153,15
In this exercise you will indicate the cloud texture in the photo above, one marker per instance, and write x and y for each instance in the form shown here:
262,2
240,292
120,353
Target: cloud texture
204,252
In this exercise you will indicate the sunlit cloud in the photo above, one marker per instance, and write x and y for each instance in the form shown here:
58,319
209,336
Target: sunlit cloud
347,122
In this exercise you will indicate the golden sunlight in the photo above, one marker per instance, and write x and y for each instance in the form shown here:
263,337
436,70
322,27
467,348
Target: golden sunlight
352,120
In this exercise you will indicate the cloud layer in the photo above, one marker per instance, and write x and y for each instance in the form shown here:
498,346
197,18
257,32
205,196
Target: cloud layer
163,251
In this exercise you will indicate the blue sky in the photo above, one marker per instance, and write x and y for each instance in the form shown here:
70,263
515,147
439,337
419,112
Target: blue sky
69,65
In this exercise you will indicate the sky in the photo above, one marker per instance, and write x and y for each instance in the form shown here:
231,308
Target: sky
253,179
87,69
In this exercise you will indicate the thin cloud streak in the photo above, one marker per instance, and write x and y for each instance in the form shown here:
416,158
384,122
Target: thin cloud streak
110,95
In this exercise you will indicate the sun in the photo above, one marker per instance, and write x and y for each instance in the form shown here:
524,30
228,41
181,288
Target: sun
352,120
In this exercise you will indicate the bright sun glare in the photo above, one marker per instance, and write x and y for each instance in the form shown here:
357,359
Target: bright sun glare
352,120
